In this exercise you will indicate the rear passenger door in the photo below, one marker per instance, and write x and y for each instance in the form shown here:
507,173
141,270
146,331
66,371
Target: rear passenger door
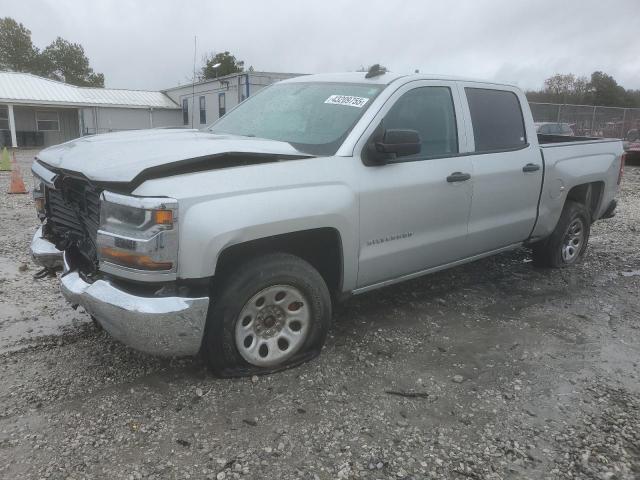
507,169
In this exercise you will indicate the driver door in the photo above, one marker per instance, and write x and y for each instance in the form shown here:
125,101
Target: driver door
414,210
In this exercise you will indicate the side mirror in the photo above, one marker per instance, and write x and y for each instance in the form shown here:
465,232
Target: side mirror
385,145
399,142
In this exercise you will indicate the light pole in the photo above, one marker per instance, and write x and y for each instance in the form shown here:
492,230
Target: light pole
215,67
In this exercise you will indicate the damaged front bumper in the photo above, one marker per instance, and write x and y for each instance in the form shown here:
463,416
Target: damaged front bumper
165,326
44,252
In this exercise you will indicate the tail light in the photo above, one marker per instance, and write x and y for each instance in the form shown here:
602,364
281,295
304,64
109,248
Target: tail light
623,158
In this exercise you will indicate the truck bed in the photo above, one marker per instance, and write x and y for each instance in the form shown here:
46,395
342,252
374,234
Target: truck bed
572,161
548,139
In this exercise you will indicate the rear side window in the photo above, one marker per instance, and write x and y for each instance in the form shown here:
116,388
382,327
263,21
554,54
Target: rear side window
497,119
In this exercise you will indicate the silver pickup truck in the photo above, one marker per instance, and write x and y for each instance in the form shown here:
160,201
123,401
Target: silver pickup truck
234,241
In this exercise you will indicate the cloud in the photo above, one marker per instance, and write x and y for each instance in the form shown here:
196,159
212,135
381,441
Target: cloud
149,45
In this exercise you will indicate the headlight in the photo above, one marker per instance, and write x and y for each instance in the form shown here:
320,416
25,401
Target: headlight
141,222
137,234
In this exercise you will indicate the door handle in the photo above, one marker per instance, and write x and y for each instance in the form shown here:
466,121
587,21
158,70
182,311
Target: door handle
458,177
531,167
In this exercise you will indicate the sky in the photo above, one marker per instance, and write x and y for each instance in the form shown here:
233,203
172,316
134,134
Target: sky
150,44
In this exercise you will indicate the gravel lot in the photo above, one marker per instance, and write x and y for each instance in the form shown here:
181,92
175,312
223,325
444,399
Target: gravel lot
491,370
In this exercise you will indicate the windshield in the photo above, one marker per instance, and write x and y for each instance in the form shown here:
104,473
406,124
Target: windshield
313,117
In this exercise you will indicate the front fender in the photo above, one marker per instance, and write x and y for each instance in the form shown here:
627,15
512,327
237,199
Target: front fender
210,226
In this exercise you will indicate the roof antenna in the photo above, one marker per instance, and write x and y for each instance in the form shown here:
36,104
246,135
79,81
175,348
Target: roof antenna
375,71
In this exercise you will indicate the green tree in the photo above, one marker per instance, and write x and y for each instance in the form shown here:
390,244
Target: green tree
565,88
601,89
632,98
68,63
228,65
62,60
604,90
17,52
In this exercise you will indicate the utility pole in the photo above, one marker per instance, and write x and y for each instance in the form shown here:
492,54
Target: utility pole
193,83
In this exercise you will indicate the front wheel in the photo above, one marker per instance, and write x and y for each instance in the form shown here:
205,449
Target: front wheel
272,313
568,242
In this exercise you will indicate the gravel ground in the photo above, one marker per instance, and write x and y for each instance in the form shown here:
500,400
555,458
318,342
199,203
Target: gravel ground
491,370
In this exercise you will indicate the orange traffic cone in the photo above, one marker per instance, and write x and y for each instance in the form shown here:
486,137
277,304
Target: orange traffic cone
17,184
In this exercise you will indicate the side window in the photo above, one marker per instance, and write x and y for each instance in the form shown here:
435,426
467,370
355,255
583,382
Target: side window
203,110
429,111
497,119
185,111
222,104
47,122
4,118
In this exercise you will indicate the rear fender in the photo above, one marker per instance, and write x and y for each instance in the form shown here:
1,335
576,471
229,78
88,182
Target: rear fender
570,166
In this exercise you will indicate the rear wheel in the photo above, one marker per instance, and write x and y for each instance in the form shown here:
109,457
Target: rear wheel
568,242
272,313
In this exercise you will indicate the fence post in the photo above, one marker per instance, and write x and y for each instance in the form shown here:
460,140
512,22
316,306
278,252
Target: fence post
593,121
559,110
624,117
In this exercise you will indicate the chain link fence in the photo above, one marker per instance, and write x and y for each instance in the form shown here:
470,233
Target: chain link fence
589,121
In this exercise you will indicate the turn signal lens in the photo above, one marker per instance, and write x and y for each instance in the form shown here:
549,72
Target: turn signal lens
38,197
133,260
163,217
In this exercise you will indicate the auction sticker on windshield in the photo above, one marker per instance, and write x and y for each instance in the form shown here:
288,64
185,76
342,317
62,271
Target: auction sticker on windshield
348,100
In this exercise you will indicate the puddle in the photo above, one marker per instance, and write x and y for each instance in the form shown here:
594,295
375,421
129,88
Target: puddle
8,269
631,273
13,333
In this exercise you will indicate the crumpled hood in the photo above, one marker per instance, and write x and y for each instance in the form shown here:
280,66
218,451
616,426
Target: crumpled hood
122,156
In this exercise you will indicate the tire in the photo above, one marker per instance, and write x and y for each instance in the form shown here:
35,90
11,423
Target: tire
250,314
568,242
96,323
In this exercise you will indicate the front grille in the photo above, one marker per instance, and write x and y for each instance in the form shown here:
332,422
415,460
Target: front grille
73,217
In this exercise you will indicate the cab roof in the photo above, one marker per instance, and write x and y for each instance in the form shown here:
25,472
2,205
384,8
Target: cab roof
382,79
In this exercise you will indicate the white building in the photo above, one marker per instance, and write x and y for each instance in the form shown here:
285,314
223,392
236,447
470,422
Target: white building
38,112
213,98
